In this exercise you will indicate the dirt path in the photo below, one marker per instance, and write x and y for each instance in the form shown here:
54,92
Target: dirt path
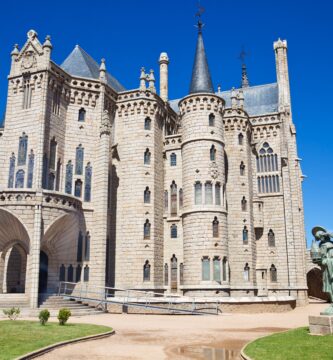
180,337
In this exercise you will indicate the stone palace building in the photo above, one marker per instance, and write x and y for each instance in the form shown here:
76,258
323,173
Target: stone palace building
126,188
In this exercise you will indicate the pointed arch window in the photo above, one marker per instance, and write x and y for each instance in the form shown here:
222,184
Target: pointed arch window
217,194
147,123
212,153
19,180
273,273
79,160
69,177
224,268
86,273
53,154
208,193
79,247
180,198
242,169
245,236
146,157
146,230
240,139
271,238
244,204
27,95
62,273
146,195
22,151
215,227
87,183
87,247
70,273
146,271
211,120
181,274
205,263
51,181
166,274
78,188
173,190
78,273
173,159
31,162
198,193
246,273
173,231
217,268
82,115
11,171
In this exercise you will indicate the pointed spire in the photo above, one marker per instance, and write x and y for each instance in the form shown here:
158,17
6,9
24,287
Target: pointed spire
102,71
15,51
201,80
47,42
245,80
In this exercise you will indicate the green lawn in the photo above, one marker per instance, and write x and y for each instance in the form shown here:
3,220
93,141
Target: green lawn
292,345
20,337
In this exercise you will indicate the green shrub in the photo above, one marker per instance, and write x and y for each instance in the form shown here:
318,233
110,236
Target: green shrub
12,313
63,316
44,316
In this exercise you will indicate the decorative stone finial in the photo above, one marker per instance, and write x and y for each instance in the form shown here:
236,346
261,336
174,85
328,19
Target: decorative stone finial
15,51
47,42
102,70
219,88
280,44
163,58
32,34
151,79
241,99
143,79
105,127
233,98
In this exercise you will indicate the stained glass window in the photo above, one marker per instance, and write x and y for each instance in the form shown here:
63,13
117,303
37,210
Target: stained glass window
19,181
79,160
11,171
22,151
87,183
87,247
79,247
78,188
31,163
173,159
69,177
82,115
78,273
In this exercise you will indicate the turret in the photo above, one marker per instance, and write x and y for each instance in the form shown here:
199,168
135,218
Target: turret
164,63
282,74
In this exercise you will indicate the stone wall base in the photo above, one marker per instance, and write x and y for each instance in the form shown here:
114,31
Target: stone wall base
321,325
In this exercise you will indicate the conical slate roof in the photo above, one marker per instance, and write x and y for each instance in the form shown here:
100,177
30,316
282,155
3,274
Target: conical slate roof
81,64
201,81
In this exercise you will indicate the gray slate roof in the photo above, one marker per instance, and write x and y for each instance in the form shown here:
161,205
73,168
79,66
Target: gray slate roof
81,64
258,100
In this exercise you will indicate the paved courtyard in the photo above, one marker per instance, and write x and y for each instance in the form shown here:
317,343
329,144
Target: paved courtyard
180,337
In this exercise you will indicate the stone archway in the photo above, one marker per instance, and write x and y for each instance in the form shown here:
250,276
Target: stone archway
16,269
314,279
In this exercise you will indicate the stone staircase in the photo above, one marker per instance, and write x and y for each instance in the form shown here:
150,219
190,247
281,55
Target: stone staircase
54,302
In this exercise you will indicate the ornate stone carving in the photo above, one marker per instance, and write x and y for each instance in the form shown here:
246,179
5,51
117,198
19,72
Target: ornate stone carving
29,60
105,127
213,170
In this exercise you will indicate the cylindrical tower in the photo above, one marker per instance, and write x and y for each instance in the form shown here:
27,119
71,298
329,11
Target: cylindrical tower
164,63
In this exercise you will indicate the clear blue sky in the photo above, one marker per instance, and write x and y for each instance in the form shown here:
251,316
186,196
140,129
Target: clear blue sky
132,33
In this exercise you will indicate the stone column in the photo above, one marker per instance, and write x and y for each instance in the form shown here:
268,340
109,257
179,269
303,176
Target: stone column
164,62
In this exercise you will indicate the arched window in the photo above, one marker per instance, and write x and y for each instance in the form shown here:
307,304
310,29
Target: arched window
146,195
146,157
79,247
215,227
181,274
51,181
208,193
45,171
79,160
31,162
78,273
86,273
240,139
53,154
173,231
211,120
87,183
70,273
271,238
166,274
217,268
224,268
244,204
146,230
147,123
267,161
87,247
166,200
22,151
205,263
180,198
19,181
173,159
217,194
82,115
246,272
273,273
212,153
245,236
11,171
69,177
146,271
62,273
78,188
198,193
173,191
242,168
